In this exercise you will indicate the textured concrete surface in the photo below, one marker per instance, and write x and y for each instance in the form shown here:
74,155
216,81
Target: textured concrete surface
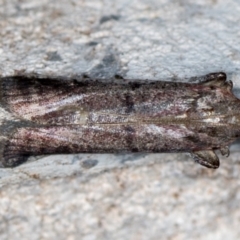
155,196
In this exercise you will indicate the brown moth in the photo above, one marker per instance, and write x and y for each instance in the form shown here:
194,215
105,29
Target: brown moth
96,117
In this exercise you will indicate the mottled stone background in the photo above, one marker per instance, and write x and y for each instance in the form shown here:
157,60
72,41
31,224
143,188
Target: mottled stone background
154,196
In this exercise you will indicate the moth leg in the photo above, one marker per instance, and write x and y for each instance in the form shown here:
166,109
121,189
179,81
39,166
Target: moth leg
225,151
207,158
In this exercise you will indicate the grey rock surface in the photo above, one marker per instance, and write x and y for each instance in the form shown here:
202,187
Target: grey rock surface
107,196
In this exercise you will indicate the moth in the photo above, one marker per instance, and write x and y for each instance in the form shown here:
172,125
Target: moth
55,117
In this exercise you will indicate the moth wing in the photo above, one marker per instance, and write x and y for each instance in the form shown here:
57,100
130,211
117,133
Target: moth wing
32,141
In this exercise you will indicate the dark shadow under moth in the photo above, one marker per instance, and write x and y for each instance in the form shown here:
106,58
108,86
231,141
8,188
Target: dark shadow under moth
96,117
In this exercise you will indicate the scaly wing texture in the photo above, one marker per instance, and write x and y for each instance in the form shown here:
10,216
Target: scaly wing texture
108,117
105,138
53,102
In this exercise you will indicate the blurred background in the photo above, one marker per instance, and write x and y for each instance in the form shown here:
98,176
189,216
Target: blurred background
120,196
